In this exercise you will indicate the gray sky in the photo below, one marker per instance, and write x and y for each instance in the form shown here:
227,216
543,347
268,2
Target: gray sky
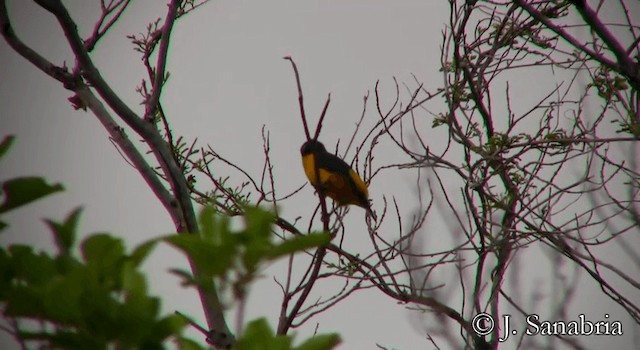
228,79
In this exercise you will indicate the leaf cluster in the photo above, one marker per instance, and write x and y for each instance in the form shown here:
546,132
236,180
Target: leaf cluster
95,300
235,256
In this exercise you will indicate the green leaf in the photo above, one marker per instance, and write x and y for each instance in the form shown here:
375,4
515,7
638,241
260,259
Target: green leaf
259,223
71,340
32,268
141,252
23,190
66,263
299,244
137,317
6,144
151,345
133,282
187,277
61,299
258,335
168,326
188,344
256,250
102,248
256,237
214,228
210,258
6,273
320,342
65,233
206,220
65,340
105,256
24,301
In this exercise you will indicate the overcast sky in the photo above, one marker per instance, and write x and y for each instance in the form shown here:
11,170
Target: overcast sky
228,79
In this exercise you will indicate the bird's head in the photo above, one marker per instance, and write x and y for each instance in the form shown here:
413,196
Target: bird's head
312,147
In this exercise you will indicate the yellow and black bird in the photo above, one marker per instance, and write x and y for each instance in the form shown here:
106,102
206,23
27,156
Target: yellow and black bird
337,179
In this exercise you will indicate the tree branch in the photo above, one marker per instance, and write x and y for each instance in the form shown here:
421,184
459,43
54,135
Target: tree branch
158,81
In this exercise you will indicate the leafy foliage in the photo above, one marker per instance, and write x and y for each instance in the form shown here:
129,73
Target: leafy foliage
235,256
22,190
96,301
260,336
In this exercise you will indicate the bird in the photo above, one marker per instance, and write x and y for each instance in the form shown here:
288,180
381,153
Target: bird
337,179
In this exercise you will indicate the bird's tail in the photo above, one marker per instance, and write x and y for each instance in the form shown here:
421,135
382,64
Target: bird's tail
370,212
